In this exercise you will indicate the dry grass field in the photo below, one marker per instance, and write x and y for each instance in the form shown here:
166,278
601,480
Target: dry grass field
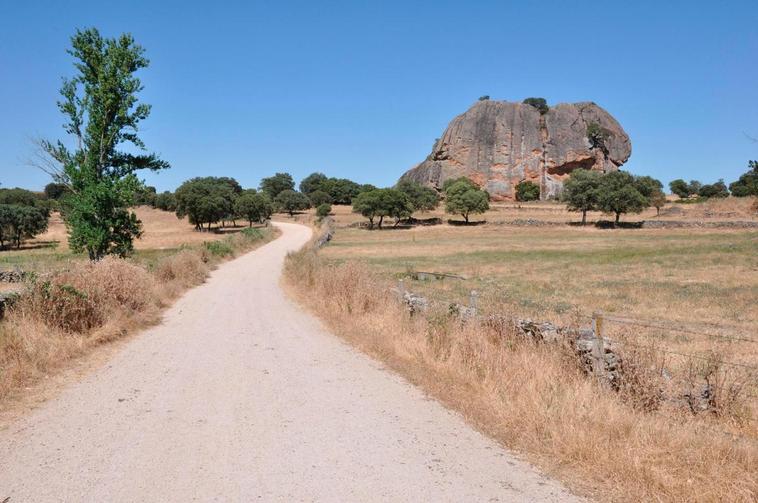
163,234
565,273
698,288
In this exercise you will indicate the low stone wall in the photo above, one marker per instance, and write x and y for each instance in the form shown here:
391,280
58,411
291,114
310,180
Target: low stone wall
6,300
699,224
12,276
597,355
327,233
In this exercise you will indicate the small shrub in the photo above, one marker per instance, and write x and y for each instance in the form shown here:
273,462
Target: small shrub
186,267
84,297
219,248
251,233
527,191
486,97
62,306
596,135
538,103
323,210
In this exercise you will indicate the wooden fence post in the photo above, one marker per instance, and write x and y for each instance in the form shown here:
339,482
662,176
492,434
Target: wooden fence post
598,348
473,301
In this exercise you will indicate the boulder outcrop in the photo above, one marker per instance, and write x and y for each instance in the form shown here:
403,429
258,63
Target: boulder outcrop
498,144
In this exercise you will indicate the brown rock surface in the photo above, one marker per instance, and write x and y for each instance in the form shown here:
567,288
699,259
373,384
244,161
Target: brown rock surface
499,144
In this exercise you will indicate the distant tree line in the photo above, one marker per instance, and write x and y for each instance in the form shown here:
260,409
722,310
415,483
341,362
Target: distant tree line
462,197
207,201
746,185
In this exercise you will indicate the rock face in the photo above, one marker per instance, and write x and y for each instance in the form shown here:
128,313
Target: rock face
498,144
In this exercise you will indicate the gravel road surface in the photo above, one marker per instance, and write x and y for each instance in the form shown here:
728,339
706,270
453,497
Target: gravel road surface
239,395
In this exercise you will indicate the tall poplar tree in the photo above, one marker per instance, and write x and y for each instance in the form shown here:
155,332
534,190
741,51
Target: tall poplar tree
103,114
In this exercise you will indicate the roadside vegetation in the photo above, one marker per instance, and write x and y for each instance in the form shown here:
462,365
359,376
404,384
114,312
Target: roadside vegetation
73,305
535,398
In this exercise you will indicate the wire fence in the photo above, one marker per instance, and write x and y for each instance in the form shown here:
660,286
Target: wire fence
601,340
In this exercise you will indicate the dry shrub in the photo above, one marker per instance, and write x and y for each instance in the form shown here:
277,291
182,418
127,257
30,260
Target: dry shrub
712,386
642,381
534,397
83,297
186,267
30,348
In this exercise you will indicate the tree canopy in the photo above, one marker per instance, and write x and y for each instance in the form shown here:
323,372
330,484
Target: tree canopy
463,197
165,201
421,198
382,203
19,222
581,192
747,184
22,197
56,191
620,192
206,200
527,191
319,197
290,201
717,189
312,183
273,185
253,206
103,113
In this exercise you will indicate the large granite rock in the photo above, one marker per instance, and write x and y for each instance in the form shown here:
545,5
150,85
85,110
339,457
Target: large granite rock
499,144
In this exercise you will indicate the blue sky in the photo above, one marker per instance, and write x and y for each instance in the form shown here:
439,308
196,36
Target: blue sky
362,89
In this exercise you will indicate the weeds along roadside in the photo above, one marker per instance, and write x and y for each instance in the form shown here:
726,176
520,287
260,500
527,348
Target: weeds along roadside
66,313
534,398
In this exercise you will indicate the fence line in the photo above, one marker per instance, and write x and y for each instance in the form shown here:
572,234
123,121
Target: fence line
598,320
662,326
688,355
598,346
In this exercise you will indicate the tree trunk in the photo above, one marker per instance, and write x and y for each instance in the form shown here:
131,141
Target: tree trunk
381,219
657,211
618,215
584,217
371,223
465,217
209,226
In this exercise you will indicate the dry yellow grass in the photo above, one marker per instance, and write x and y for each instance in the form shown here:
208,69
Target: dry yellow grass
533,398
704,281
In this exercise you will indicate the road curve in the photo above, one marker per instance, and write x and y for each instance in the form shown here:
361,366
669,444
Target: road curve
239,395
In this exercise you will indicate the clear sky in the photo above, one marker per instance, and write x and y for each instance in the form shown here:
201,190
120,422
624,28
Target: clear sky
362,89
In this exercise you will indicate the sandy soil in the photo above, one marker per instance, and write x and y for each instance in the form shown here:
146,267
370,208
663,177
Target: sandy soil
240,395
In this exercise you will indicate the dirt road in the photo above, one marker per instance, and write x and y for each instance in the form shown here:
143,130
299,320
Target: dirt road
239,395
